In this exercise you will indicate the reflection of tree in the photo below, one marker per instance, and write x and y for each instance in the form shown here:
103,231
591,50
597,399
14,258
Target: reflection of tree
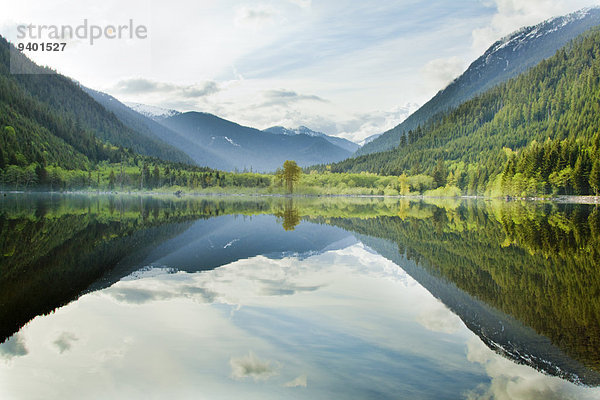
290,215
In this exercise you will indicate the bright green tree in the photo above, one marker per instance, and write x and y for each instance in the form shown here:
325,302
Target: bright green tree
404,185
291,174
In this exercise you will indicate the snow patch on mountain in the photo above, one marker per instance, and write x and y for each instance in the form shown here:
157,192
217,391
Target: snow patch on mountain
528,33
231,141
303,130
153,112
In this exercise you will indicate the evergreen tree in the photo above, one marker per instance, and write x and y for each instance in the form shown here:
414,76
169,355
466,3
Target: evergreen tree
111,180
439,174
402,141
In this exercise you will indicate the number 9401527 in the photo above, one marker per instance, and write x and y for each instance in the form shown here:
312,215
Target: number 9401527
47,46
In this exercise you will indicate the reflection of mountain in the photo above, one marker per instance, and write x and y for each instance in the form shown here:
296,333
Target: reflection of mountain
531,272
500,332
52,247
208,244
50,256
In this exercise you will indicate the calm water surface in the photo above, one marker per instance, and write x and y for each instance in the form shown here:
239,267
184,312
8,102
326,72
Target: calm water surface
270,298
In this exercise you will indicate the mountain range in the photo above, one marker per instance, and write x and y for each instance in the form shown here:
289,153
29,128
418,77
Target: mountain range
233,146
217,143
51,119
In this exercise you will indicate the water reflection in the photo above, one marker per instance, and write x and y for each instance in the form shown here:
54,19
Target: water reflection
272,298
289,214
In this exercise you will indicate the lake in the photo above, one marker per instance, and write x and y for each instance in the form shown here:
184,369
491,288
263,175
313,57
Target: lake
318,298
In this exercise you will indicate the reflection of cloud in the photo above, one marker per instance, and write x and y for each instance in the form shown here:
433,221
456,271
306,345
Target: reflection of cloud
248,280
440,319
300,381
135,295
13,347
250,366
65,341
280,288
510,381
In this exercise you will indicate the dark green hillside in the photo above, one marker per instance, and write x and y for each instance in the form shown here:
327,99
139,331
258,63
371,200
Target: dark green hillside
554,109
57,122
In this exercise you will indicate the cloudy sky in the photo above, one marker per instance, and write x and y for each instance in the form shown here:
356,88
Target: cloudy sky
349,68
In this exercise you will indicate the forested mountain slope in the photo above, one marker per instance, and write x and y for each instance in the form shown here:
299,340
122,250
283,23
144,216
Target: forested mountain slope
505,59
150,127
47,118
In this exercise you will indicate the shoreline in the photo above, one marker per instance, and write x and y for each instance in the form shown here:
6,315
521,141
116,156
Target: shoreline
562,199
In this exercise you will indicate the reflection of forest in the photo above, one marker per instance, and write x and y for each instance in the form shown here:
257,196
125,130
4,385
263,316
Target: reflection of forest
537,263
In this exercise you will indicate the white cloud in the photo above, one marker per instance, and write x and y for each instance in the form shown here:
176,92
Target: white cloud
302,3
438,73
377,121
143,86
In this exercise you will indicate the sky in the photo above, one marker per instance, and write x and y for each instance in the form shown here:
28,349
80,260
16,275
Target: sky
346,68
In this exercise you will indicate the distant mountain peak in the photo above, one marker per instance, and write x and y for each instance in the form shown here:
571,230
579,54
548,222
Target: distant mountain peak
527,33
303,130
152,112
